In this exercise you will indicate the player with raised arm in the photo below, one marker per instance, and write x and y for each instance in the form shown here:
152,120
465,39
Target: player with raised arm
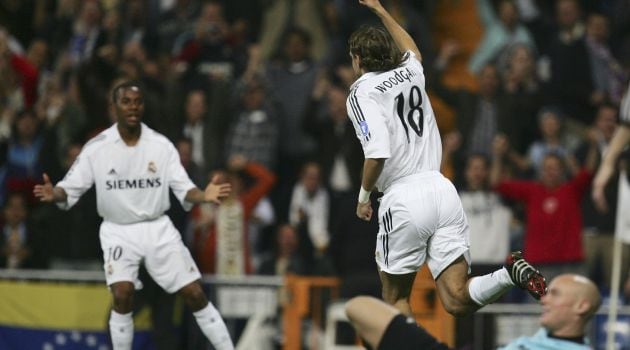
133,167
420,215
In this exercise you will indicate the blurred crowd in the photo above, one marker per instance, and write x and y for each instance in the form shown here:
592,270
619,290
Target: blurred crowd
256,89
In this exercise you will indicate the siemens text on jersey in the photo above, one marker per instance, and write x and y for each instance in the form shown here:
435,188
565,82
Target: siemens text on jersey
400,75
125,184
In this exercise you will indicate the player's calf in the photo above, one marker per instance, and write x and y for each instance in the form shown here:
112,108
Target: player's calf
207,316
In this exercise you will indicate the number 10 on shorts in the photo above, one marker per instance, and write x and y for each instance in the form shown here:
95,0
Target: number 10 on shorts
114,253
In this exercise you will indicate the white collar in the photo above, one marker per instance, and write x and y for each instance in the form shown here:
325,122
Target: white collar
113,130
362,78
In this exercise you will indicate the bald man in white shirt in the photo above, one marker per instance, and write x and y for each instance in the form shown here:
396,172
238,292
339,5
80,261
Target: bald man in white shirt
133,167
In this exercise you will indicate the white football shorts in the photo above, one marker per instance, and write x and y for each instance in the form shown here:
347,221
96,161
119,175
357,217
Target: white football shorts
155,243
421,219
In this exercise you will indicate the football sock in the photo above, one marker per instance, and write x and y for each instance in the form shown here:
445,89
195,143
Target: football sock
213,327
486,289
121,329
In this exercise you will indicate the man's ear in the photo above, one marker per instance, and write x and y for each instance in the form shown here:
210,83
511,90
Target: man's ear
582,307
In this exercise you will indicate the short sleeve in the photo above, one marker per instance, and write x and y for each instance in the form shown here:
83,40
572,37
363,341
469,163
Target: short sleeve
369,124
516,190
78,179
178,180
412,60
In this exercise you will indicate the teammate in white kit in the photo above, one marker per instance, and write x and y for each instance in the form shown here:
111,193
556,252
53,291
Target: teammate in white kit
133,167
420,215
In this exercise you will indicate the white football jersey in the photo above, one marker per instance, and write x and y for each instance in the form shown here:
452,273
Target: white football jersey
132,183
624,110
393,119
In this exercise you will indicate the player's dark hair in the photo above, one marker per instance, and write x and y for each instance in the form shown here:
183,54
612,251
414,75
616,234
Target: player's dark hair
126,85
376,49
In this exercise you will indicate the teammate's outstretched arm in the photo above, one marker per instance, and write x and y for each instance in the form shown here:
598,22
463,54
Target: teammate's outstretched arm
213,193
401,37
47,193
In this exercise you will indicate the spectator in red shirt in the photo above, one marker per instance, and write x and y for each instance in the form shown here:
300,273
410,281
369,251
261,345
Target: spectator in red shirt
21,73
553,235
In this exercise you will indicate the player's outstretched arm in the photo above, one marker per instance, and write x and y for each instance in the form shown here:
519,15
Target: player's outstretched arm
401,37
216,192
620,139
47,193
213,193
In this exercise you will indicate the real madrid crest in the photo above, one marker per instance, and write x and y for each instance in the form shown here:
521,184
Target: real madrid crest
152,167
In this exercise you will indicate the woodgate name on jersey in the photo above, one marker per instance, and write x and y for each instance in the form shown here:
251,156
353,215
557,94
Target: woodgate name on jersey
393,119
400,75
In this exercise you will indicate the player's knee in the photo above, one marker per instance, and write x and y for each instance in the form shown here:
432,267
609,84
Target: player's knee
456,308
354,306
123,296
390,298
194,296
393,295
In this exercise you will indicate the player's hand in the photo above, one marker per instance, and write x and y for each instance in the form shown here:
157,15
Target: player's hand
44,192
364,211
371,4
217,190
599,183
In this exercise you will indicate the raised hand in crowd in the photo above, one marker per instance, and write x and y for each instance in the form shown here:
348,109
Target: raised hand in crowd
449,49
322,85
